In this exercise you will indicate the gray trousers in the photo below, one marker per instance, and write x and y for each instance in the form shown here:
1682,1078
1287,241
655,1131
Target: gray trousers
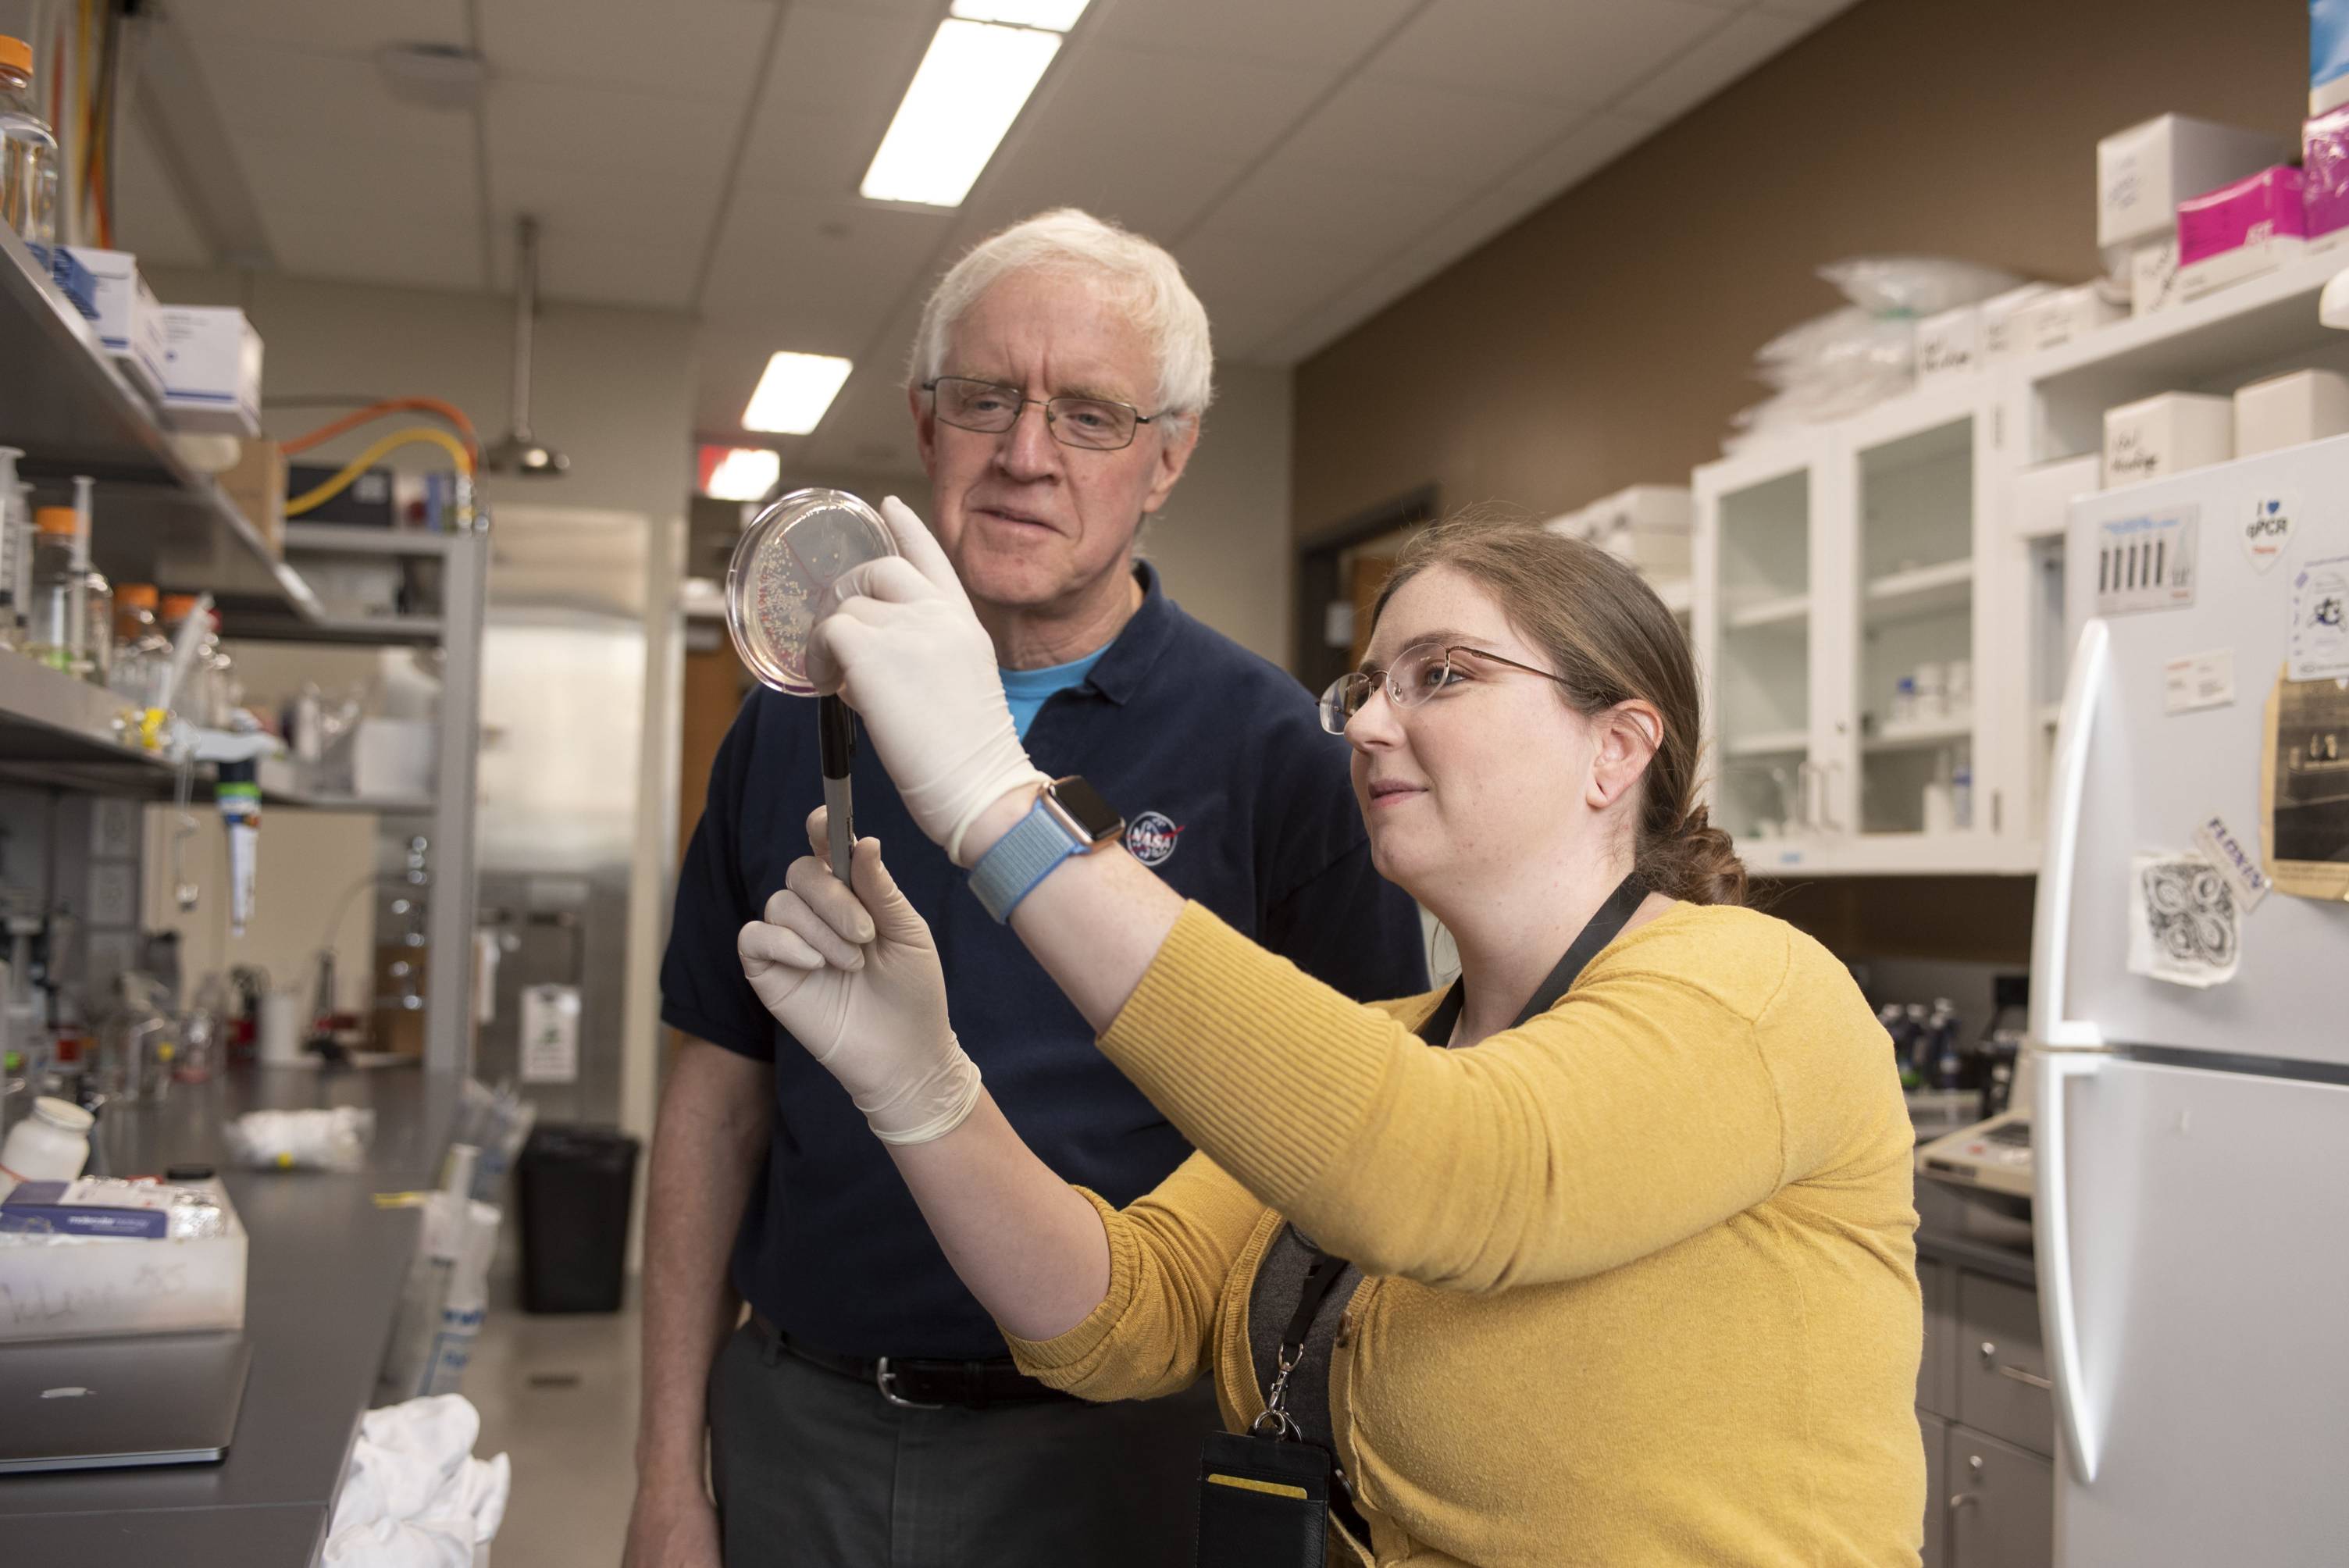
812,1468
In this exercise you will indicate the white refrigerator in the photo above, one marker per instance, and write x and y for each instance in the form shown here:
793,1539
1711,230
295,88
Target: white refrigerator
2192,1138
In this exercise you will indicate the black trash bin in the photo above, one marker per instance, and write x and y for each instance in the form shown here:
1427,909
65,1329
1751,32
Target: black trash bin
575,1184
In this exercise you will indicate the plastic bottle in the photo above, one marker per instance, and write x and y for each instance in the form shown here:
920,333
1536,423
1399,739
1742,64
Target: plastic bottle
141,652
1962,792
28,150
50,1145
1903,1034
1949,1059
58,590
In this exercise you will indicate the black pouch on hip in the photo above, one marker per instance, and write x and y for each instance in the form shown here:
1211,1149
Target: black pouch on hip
1263,1503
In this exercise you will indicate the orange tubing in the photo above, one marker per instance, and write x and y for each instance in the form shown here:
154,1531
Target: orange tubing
448,411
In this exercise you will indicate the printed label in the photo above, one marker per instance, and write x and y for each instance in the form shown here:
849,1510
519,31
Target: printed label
2268,530
2199,681
2147,563
550,1034
2320,619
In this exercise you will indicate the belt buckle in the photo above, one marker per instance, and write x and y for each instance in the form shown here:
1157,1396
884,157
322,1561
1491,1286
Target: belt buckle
886,1380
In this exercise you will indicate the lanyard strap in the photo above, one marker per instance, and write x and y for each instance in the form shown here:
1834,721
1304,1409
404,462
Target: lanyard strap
1322,1274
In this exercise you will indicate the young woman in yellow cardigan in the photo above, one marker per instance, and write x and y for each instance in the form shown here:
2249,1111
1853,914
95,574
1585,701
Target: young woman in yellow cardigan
1637,1277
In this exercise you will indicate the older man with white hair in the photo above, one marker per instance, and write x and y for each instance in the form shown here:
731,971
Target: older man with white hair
865,1409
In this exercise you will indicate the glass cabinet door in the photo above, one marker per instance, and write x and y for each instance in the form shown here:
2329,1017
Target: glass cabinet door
1914,502
1763,659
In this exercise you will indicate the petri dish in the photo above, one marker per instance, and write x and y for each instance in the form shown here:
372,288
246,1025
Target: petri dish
789,556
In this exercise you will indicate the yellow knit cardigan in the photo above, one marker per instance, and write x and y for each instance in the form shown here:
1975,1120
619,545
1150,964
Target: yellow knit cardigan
1641,1275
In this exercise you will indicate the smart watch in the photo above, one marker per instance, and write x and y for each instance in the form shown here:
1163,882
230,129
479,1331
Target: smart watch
1069,818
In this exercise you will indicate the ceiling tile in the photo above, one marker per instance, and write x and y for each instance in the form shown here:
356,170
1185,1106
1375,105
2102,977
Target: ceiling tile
1360,216
555,123
652,268
573,199
330,242
1414,132
847,60
704,47
150,219
1745,43
262,89
819,276
377,185
807,151
1568,51
1302,32
1809,10
1590,146
1253,286
320,24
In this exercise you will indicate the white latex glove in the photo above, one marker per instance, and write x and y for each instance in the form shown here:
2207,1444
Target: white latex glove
854,976
901,643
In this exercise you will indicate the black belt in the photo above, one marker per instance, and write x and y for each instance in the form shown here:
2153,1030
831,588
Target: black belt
917,1384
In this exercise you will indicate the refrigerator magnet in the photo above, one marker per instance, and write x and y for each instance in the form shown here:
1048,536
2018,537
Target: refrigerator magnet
2320,619
2185,925
2304,788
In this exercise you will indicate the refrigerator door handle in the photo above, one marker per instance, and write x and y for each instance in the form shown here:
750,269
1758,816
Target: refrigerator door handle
2052,1220
2050,924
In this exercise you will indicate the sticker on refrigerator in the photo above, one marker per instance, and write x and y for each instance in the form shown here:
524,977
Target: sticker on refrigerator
2304,788
2199,681
2268,530
2147,563
2236,863
550,1034
2185,926
2320,619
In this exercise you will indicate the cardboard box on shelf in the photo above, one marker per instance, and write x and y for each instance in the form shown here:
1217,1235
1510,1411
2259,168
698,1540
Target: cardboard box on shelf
2153,276
1648,526
212,370
2167,434
123,310
2057,318
2145,171
256,487
1949,345
2002,321
2240,231
2290,410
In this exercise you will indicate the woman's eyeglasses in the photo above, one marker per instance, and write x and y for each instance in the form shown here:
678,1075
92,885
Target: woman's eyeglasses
1418,673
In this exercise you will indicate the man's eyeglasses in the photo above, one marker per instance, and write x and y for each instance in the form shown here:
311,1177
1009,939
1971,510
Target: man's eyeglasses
1418,673
1095,424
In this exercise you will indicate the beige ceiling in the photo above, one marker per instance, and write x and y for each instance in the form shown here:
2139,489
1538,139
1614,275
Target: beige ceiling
1307,160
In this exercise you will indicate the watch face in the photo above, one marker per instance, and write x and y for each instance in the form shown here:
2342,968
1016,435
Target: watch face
1084,806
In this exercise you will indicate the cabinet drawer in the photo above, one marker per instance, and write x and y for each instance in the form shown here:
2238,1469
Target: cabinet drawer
1938,1370
2001,1371
2001,1508
1937,1489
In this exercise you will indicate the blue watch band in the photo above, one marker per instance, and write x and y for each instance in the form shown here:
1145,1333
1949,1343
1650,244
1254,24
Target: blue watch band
1019,860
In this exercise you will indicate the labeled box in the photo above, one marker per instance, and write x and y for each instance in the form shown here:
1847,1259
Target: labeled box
1648,526
87,1287
2064,315
124,312
212,370
2153,276
2167,434
1949,345
2144,172
2290,410
2001,327
256,487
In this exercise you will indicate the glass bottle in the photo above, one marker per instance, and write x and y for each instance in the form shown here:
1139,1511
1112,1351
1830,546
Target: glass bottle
193,701
13,546
57,589
96,660
28,150
225,692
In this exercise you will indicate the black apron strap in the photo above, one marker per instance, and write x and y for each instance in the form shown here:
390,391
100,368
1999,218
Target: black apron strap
1604,927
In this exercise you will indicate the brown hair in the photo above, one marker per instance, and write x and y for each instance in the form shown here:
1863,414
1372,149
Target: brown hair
1610,639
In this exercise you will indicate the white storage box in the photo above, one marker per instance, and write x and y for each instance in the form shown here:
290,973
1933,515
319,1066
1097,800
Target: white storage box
212,370
2145,171
82,1289
2290,410
2167,434
2064,315
129,321
2042,494
2153,276
1646,525
1949,345
2002,321
395,756
2196,279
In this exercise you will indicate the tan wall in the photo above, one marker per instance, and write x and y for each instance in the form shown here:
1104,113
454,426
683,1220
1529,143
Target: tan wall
1605,340
1222,541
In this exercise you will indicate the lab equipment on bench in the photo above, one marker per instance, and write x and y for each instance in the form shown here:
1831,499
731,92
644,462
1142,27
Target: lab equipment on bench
792,552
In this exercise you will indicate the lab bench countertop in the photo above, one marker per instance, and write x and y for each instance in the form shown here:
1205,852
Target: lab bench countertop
323,1279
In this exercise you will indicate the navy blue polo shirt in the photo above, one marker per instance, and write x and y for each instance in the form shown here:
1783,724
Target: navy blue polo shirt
1233,793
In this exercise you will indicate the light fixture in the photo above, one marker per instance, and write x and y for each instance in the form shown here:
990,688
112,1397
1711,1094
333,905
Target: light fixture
967,92
1052,15
794,392
739,473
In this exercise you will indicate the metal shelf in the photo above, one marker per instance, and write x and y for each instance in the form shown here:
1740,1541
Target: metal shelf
72,412
50,717
363,630
345,539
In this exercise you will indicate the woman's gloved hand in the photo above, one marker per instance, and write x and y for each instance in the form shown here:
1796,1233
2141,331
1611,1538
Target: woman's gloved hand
901,643
851,970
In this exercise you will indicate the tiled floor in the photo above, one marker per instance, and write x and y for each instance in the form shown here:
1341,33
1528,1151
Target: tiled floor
558,1395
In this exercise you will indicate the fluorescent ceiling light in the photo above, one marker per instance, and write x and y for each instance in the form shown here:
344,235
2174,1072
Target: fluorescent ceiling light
794,392
738,473
1056,16
969,91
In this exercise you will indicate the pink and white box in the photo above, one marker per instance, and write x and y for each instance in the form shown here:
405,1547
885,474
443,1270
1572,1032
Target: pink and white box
2239,231
2325,173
